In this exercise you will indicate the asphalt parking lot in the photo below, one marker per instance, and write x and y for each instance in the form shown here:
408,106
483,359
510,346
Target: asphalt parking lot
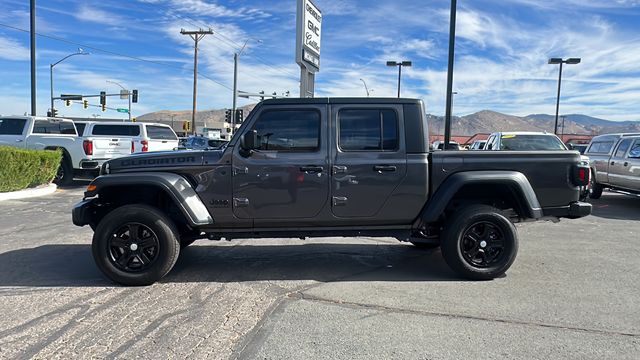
574,292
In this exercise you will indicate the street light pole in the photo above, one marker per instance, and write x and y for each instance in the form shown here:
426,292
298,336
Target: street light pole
365,87
80,52
33,55
452,48
560,61
234,107
128,95
399,64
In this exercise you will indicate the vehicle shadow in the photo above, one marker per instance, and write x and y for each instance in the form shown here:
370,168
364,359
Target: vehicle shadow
73,266
616,206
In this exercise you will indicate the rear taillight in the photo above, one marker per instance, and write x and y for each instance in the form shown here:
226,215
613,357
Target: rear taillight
133,148
581,175
145,145
87,146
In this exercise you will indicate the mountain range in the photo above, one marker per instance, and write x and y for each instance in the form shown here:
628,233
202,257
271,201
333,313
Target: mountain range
485,121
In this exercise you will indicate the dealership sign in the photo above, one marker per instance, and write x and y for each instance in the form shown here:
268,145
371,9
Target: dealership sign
309,29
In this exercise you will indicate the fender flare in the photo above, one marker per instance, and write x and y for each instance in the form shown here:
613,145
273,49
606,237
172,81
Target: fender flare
174,185
517,181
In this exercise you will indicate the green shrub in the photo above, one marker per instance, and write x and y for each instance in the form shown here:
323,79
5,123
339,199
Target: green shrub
22,168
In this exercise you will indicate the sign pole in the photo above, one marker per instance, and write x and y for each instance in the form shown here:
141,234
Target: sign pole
308,36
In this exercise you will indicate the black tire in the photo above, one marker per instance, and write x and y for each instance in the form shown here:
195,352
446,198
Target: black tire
145,264
425,246
475,255
595,189
64,176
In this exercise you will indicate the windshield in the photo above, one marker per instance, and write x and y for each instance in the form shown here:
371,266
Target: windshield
531,142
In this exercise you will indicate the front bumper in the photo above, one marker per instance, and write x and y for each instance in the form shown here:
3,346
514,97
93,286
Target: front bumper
575,210
82,212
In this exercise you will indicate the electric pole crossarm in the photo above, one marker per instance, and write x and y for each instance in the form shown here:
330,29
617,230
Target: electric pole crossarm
196,36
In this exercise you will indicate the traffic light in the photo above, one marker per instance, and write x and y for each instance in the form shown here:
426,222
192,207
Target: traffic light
227,115
186,126
134,96
239,116
85,104
103,107
133,119
54,113
103,99
262,97
67,103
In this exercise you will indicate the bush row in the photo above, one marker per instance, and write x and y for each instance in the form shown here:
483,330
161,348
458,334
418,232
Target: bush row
21,168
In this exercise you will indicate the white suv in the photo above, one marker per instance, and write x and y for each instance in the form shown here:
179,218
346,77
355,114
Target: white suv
145,137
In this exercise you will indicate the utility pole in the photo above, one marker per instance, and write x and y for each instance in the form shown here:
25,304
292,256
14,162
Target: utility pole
33,57
196,36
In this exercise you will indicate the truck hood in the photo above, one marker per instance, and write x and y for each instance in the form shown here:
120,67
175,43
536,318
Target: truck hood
162,160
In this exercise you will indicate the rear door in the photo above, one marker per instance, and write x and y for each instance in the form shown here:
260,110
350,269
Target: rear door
161,138
369,158
285,181
631,165
13,132
618,164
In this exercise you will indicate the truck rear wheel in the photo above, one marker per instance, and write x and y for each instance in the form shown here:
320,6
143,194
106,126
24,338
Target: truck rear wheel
479,243
595,189
135,245
64,176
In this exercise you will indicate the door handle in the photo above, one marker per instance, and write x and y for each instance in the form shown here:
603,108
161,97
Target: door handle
613,163
626,163
311,169
19,140
385,168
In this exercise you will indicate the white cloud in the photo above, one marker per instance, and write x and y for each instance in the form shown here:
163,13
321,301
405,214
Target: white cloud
11,49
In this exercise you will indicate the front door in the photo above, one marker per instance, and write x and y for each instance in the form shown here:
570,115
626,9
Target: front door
369,159
286,179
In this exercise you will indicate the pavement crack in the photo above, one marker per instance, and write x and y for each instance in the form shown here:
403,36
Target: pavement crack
349,304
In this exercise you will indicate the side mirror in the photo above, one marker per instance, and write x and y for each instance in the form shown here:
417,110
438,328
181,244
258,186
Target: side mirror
249,140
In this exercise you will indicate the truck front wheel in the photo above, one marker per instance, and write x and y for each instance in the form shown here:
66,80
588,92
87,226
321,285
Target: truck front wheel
479,243
135,245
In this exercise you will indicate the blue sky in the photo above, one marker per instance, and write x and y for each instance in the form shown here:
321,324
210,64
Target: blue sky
501,52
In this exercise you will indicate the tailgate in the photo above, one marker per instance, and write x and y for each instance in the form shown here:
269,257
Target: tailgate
105,148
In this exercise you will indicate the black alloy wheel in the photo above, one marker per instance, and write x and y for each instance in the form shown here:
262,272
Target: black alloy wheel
482,244
479,242
133,248
135,245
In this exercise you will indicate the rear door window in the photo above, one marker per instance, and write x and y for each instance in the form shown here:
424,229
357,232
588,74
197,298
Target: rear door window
289,130
160,133
54,127
623,147
116,130
368,130
12,126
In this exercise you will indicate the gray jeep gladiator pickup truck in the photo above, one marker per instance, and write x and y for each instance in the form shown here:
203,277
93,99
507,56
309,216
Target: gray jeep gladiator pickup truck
327,167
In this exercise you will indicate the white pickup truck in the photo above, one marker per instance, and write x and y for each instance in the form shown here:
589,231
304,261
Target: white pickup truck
81,156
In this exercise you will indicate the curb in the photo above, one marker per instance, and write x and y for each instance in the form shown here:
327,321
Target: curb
29,193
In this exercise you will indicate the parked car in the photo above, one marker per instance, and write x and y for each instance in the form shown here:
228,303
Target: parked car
524,141
82,157
615,163
439,145
478,145
372,174
146,137
202,143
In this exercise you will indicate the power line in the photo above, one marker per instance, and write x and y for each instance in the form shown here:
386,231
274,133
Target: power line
84,46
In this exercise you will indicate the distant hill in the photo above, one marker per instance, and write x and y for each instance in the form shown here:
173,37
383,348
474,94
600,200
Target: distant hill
485,121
